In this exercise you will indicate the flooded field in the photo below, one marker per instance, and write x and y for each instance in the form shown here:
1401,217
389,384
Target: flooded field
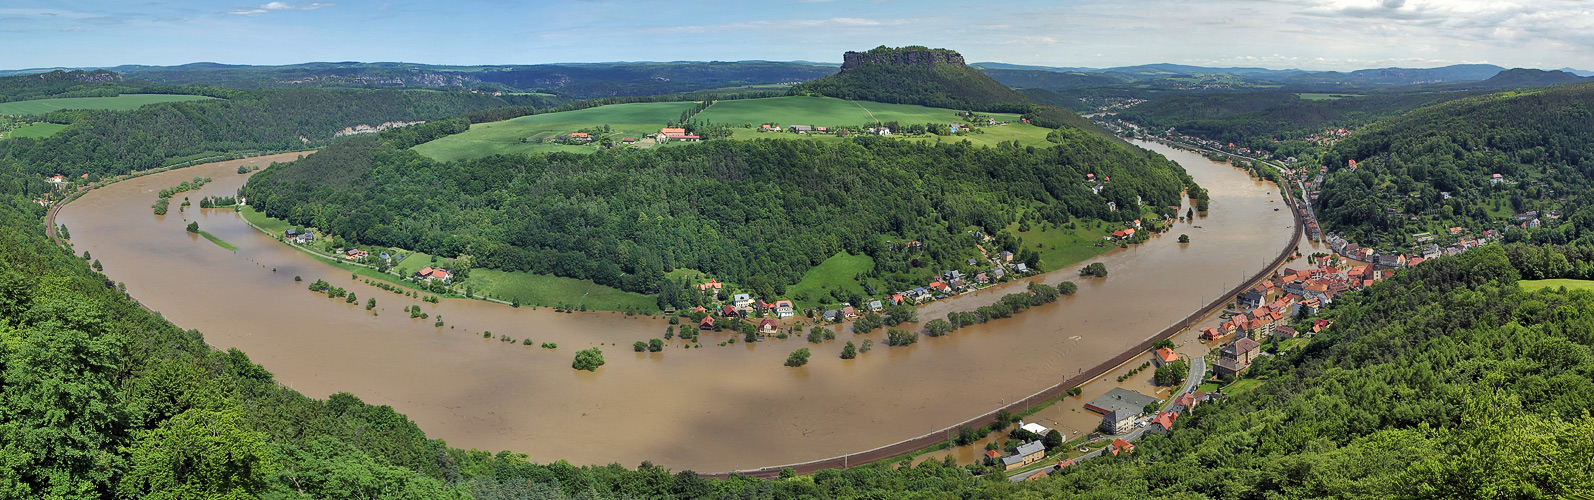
708,409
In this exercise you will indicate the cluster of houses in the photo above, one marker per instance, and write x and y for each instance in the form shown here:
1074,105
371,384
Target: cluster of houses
1424,246
1268,308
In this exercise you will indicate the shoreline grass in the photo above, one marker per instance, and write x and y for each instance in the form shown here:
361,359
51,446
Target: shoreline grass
218,241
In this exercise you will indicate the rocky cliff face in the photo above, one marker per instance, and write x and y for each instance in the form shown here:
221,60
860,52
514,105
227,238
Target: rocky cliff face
915,56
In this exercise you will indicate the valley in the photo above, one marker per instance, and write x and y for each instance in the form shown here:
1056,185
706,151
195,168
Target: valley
701,402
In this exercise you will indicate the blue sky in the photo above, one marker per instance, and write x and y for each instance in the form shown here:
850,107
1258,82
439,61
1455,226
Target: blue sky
1307,34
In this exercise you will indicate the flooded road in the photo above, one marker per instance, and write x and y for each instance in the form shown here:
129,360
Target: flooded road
708,409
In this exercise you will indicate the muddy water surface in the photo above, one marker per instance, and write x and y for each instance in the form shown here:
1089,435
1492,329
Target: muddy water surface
707,409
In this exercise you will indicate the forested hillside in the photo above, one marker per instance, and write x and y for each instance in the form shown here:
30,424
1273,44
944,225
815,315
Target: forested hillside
116,142
1447,381
1271,121
757,212
1433,167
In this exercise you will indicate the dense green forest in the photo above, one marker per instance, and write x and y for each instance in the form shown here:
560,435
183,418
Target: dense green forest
756,212
1271,121
107,143
1432,168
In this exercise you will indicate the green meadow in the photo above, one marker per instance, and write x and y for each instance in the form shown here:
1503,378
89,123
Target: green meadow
1062,247
36,131
637,120
1556,284
835,272
827,112
119,103
485,139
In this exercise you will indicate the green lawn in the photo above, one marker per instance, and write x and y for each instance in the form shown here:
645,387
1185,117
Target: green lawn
835,272
413,261
119,103
827,112
274,226
37,130
549,291
624,120
1556,284
1062,247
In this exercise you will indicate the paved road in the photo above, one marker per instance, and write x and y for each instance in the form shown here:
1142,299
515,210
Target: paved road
1198,372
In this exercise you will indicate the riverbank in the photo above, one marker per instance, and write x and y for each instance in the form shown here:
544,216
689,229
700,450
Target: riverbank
482,393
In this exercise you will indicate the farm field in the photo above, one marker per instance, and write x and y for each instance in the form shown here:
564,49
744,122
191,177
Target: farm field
639,119
119,103
826,112
36,131
485,139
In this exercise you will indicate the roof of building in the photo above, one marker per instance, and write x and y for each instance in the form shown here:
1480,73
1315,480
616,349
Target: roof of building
1246,344
1031,448
1121,399
1167,355
1035,428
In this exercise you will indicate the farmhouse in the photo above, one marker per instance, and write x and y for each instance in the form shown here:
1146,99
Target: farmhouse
1026,454
800,129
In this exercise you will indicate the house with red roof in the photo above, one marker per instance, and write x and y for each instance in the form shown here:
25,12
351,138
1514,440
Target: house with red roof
1119,445
1162,423
1164,356
706,324
767,326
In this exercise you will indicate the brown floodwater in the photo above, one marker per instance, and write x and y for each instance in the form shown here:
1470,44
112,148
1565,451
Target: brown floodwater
708,409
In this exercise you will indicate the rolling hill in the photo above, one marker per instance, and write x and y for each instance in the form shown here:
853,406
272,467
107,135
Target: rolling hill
1431,169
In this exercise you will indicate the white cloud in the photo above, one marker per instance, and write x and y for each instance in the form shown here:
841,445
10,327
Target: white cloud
274,6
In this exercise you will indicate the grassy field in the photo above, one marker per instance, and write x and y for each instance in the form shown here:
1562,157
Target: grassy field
413,261
1310,96
624,120
218,241
1557,284
826,112
549,291
274,226
37,130
639,119
835,272
1062,247
119,103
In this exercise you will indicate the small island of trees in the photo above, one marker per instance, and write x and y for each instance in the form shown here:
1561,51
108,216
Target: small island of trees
588,359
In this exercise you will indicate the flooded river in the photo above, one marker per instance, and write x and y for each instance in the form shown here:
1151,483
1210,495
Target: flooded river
708,409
